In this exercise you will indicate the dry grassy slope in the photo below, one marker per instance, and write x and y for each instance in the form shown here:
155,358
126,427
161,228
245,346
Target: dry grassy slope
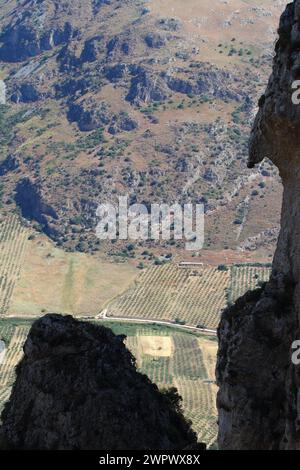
166,112
70,283
36,277
207,20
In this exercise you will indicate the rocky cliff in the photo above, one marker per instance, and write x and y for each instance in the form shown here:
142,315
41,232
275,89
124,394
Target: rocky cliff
77,388
259,396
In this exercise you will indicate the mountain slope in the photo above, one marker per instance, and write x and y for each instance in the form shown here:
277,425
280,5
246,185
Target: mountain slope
149,99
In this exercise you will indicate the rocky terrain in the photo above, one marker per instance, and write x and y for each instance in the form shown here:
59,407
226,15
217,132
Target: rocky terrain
144,98
77,388
259,394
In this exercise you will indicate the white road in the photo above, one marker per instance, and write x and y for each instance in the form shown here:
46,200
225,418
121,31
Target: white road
103,316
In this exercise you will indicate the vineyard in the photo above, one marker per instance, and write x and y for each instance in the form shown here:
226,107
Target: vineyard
13,238
171,293
14,338
189,368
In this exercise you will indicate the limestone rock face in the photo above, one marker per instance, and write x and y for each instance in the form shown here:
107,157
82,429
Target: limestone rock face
259,396
77,387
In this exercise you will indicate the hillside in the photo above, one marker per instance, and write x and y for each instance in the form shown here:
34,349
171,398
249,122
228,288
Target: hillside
152,99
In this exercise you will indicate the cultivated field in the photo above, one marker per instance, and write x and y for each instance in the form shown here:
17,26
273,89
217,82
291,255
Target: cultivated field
187,362
37,278
195,296
13,244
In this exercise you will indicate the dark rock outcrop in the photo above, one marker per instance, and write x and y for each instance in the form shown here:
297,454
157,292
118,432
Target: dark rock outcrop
209,175
22,40
155,40
97,4
89,115
30,199
259,396
67,60
77,388
146,88
121,45
91,50
169,24
72,87
122,122
255,338
210,81
11,163
116,72
26,93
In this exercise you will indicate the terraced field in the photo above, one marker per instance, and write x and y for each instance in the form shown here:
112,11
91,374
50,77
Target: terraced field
194,296
13,242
